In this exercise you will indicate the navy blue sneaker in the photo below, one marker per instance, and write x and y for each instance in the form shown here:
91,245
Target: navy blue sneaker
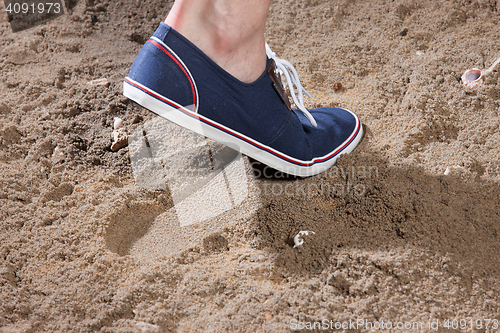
177,81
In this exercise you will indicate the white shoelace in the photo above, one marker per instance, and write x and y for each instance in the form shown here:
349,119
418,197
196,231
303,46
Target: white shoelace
292,78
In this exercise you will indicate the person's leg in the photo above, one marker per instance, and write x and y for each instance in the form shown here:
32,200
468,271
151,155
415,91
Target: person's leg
182,84
230,32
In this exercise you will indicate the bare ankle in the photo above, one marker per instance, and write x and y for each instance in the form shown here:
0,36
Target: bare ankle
230,36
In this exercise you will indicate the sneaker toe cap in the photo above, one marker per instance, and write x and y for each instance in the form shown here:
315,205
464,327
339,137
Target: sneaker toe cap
334,127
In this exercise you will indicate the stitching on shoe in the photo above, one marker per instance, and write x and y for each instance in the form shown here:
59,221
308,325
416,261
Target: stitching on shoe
280,130
335,126
179,64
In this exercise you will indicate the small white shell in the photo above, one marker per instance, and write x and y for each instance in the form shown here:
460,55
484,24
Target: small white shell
99,82
118,123
147,328
298,241
57,154
473,78
120,139
454,170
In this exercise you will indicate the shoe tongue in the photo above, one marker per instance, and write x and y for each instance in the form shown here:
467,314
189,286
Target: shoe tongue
278,86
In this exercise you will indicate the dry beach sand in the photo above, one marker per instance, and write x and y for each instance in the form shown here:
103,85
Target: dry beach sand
84,249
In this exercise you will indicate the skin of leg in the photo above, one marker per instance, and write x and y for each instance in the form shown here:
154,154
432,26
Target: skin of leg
230,32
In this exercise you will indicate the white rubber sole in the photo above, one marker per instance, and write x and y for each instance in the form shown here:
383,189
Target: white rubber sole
184,117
